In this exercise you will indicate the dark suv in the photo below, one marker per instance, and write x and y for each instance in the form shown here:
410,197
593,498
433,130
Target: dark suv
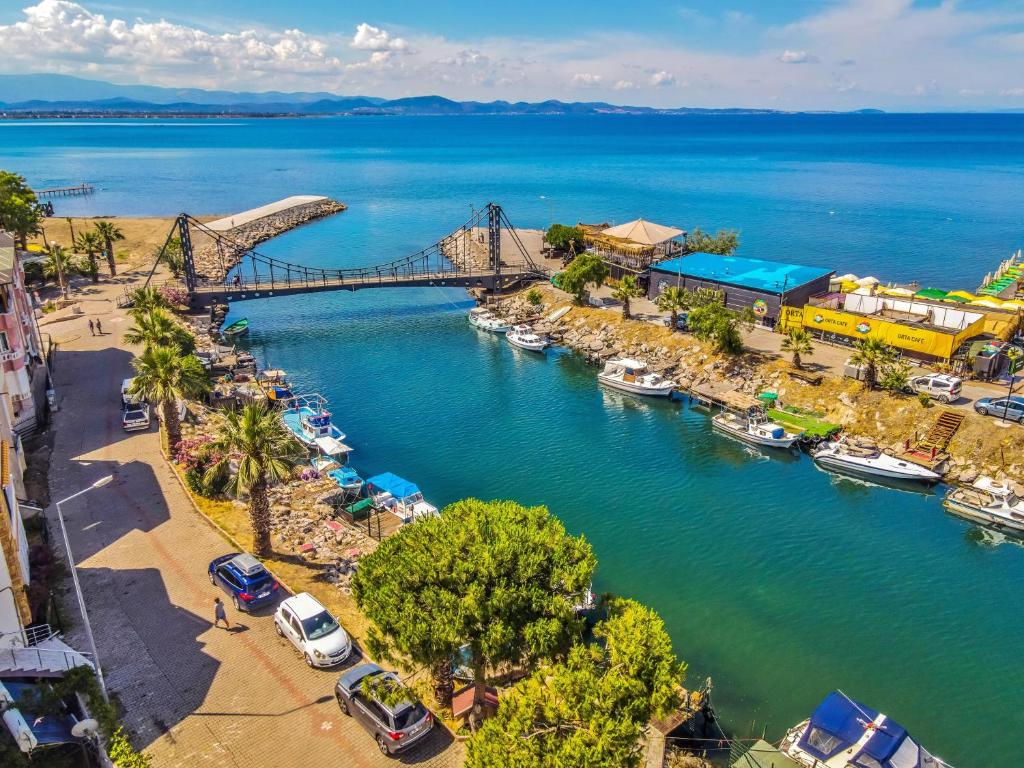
395,727
244,579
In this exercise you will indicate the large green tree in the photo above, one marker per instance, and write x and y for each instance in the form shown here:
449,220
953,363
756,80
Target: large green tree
90,243
156,328
671,300
165,375
563,238
59,266
145,299
110,234
872,354
265,452
591,709
724,242
498,576
586,269
797,342
19,209
716,323
628,288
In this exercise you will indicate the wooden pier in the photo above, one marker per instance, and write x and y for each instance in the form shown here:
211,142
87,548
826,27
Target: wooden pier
75,191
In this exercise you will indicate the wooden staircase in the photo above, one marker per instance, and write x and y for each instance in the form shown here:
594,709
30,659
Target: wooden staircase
942,431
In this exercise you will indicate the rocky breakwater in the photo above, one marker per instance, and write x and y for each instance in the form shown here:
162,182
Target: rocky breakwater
214,259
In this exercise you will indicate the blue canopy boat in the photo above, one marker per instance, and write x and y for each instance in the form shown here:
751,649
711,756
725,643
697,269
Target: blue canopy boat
346,478
843,733
307,417
400,496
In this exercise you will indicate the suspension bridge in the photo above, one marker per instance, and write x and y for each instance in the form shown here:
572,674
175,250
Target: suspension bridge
217,268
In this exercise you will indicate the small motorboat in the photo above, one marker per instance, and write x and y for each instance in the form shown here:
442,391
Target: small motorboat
842,733
237,328
307,417
989,502
755,428
865,460
274,384
347,479
486,320
633,376
522,336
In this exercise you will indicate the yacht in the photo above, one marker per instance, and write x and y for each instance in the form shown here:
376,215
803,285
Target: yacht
987,501
870,461
754,428
842,733
633,376
486,320
522,336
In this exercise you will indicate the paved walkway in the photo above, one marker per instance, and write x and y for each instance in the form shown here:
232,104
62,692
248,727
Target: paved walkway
194,695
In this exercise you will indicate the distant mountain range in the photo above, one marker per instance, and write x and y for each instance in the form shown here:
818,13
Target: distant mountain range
63,95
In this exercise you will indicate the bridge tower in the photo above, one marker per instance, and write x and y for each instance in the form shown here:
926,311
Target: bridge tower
186,253
494,240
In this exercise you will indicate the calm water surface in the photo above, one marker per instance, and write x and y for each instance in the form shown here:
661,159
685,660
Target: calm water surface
775,578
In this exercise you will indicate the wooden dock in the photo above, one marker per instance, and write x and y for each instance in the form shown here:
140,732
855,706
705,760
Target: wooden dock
723,394
75,191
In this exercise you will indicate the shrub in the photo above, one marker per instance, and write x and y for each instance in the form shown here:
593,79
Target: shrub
534,297
123,754
924,399
563,238
175,295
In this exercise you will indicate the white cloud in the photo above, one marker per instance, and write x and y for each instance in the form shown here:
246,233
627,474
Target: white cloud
586,80
795,57
624,85
370,38
663,79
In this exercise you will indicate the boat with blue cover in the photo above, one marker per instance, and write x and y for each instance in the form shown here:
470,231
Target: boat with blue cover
274,384
843,733
347,479
307,417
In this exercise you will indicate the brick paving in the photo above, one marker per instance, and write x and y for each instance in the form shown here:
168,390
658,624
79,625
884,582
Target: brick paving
193,695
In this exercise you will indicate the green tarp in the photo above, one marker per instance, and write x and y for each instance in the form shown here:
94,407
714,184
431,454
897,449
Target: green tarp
360,509
931,293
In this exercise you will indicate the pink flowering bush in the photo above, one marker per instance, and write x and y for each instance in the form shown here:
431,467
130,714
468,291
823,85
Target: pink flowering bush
195,457
175,295
309,474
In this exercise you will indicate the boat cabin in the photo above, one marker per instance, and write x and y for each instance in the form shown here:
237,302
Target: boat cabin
403,498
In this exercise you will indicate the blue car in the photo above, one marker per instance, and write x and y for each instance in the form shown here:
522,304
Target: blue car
1012,407
245,580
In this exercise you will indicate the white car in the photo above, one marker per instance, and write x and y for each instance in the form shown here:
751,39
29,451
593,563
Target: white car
312,630
135,416
945,389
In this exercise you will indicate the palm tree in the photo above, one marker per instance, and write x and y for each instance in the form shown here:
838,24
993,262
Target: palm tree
156,328
627,289
265,452
672,299
109,233
58,266
798,343
164,374
872,354
145,299
90,244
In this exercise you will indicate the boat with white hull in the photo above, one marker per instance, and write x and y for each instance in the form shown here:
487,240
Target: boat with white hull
522,336
307,417
870,462
633,376
486,320
989,502
755,428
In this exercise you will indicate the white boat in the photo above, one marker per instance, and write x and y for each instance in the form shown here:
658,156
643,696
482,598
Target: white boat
633,376
842,733
987,501
869,461
307,417
754,428
522,336
486,320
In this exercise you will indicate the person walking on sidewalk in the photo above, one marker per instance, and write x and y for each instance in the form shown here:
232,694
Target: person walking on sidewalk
92,328
99,328
220,614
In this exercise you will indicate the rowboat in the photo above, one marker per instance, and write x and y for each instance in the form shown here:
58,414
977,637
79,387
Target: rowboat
237,328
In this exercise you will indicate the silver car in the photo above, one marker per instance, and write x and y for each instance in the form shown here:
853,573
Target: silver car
945,389
394,728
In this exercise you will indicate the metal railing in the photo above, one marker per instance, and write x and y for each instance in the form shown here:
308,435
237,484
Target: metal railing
33,658
27,635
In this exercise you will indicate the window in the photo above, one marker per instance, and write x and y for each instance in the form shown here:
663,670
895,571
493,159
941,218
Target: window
5,345
378,713
822,741
319,626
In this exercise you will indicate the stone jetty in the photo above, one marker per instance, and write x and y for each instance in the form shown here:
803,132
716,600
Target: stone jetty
243,231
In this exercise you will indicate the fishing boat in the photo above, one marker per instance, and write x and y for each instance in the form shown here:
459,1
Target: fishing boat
522,336
237,328
486,320
274,384
347,479
633,376
307,417
331,454
869,461
989,502
842,733
754,428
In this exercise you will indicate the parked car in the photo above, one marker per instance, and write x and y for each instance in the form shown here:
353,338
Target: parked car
135,417
940,386
127,399
1012,407
312,630
394,727
244,579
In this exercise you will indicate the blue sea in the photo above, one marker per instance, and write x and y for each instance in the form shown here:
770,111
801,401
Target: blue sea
779,581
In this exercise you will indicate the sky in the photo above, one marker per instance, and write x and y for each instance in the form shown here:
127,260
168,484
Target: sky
782,54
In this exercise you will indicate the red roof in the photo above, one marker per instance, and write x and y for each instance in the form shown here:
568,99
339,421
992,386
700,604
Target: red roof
462,701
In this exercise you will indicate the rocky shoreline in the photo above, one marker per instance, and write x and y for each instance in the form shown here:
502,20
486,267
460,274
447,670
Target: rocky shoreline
213,261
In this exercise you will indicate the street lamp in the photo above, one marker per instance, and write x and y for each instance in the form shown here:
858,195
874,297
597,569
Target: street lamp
78,587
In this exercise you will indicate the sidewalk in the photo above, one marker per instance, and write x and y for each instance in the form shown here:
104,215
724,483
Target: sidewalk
193,695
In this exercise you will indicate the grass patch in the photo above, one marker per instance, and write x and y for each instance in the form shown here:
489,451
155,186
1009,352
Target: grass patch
808,424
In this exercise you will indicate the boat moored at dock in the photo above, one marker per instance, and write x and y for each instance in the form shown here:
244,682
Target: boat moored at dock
485,320
842,733
522,336
401,497
307,417
633,376
989,502
347,479
754,428
236,329
869,461
274,384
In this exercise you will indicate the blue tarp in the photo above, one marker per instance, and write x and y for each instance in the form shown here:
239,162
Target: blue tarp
758,274
885,741
841,717
393,484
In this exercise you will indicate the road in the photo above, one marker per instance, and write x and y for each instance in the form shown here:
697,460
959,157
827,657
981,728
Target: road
193,695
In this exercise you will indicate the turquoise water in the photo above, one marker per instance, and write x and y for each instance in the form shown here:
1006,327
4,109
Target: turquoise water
776,579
